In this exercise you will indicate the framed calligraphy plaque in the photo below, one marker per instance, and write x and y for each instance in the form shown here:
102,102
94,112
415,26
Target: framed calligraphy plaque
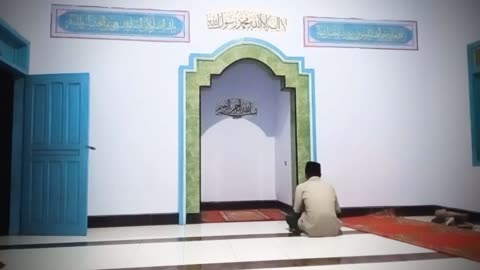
358,33
241,20
119,23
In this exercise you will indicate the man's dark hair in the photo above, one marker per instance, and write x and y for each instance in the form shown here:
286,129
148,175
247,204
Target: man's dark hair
313,168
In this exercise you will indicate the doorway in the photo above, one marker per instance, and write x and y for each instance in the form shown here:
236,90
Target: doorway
6,122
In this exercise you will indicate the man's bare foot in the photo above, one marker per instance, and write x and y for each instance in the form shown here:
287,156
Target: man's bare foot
294,232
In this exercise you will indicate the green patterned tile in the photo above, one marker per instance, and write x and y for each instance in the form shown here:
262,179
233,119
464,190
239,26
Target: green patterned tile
192,150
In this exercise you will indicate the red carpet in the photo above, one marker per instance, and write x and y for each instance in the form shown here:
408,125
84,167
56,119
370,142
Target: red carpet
242,215
441,238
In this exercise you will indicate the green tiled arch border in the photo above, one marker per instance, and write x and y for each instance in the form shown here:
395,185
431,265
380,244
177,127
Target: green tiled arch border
198,74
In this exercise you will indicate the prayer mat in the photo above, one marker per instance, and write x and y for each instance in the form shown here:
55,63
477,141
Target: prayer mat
242,215
438,237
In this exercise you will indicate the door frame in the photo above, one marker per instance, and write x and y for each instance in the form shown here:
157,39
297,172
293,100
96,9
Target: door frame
17,155
473,70
198,74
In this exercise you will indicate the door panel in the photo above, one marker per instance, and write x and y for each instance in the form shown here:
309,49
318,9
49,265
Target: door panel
54,182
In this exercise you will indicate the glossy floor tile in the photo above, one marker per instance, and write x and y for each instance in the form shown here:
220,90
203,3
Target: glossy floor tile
443,264
242,245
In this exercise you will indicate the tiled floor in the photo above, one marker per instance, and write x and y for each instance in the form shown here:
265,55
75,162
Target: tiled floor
243,245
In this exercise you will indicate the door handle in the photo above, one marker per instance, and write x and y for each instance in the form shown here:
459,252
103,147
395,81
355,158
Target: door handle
91,147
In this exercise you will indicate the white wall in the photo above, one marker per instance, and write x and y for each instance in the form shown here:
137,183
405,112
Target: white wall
393,126
283,149
238,155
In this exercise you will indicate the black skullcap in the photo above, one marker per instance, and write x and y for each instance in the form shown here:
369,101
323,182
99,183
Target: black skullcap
312,169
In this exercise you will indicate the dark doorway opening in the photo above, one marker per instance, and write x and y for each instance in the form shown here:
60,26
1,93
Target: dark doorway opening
6,122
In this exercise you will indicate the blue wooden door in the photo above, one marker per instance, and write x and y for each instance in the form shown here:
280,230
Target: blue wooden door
54,173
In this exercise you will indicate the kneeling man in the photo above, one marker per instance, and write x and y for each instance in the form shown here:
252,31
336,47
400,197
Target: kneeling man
315,206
